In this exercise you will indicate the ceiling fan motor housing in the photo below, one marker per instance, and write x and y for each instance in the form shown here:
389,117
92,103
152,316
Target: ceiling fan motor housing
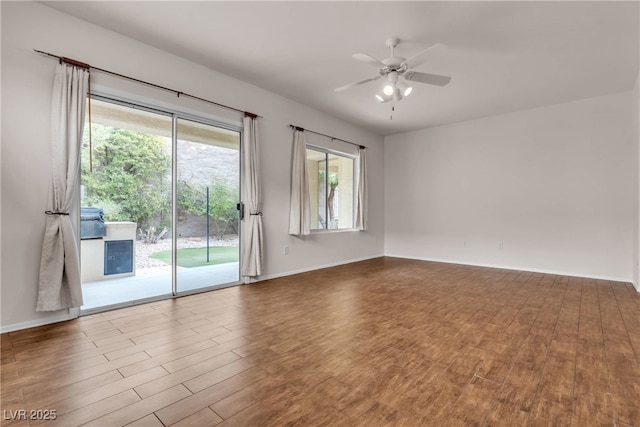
394,63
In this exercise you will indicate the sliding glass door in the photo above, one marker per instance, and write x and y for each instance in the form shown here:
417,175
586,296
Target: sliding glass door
208,191
125,211
159,196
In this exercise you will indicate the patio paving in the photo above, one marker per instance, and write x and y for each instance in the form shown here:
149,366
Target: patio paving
155,282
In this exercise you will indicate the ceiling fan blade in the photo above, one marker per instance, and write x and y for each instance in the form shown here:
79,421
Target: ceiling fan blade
363,57
358,83
428,54
432,79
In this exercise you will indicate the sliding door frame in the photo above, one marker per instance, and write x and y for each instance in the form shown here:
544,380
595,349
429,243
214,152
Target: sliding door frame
239,129
175,114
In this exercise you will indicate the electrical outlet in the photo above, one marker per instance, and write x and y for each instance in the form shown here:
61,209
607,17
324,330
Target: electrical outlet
500,245
285,250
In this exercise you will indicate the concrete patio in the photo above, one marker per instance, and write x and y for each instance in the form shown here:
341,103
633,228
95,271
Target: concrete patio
155,282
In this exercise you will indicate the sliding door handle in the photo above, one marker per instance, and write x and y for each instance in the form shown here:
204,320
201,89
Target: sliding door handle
240,208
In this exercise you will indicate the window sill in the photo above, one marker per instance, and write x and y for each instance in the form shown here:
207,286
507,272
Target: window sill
340,230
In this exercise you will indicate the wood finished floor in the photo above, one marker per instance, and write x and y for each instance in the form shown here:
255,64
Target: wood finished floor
377,343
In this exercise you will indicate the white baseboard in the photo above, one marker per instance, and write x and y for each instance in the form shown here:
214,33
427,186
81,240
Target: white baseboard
61,317
511,267
315,267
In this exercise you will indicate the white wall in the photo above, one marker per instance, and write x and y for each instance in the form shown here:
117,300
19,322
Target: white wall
555,185
635,111
27,80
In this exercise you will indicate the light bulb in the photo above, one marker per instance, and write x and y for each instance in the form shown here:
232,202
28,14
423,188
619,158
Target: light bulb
406,89
381,97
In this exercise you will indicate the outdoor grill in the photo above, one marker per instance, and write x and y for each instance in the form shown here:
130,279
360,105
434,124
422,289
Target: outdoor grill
92,223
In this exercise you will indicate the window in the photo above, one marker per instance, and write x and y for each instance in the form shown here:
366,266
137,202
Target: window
331,189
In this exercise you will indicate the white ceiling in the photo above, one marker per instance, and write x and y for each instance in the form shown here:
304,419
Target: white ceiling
503,56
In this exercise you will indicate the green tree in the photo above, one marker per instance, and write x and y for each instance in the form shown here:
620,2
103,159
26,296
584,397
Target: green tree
192,199
128,177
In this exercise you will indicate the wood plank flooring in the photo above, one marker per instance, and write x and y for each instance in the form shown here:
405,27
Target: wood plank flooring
382,342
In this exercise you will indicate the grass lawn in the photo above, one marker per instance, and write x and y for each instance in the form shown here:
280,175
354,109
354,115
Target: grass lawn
197,257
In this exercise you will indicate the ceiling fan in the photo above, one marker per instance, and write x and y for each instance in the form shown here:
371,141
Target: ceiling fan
398,70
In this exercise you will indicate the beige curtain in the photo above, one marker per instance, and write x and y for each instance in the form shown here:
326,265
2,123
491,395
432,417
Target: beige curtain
59,282
299,205
253,240
361,208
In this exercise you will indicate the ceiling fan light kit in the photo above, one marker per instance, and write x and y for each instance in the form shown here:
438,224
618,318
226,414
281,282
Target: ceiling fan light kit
405,89
397,95
398,71
381,97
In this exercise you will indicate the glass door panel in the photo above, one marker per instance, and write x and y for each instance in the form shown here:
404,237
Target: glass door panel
208,191
125,205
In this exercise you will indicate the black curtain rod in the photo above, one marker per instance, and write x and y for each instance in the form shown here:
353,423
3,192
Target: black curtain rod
177,92
328,136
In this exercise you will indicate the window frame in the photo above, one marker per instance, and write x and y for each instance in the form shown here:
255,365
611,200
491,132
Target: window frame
356,175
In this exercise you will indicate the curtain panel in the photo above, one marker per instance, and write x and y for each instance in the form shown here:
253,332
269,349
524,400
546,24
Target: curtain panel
362,201
59,280
253,239
299,204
